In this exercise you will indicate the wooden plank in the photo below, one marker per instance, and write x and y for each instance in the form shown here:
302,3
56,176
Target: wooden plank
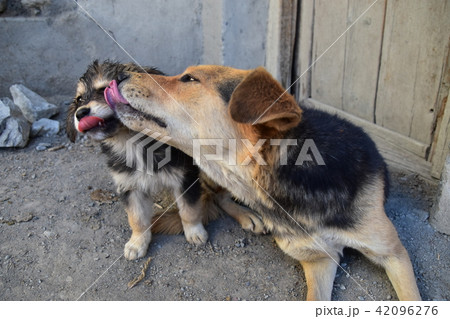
302,59
330,21
288,30
402,143
442,147
398,150
414,43
273,40
404,160
441,139
362,58
281,29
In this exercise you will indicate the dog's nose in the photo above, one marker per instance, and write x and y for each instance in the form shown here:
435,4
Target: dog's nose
82,113
122,77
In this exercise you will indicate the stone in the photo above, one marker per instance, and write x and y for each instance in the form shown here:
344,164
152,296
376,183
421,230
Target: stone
15,111
45,127
14,129
5,112
42,147
48,233
33,106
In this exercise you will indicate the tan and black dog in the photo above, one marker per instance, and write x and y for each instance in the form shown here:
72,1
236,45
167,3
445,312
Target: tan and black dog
313,207
196,196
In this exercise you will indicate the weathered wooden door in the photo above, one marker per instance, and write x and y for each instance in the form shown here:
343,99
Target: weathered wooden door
384,65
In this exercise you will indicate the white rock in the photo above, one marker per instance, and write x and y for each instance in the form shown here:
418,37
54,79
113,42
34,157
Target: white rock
5,112
15,111
44,127
15,132
33,106
14,129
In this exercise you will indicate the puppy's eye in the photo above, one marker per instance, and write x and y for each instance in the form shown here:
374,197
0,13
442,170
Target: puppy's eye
188,78
78,100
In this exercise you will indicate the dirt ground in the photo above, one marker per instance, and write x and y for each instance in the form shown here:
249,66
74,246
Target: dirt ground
56,243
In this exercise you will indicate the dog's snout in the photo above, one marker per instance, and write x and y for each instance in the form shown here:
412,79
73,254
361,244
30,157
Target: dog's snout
122,77
82,113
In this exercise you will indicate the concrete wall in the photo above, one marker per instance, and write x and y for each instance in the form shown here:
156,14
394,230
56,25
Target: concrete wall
49,52
48,47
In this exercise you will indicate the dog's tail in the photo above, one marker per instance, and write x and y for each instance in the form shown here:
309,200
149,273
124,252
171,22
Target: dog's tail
169,222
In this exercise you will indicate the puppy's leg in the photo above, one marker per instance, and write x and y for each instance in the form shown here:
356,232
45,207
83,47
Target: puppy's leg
319,263
244,216
138,206
191,213
378,240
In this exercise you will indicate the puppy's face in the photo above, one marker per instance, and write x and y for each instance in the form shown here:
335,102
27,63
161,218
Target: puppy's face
89,113
206,102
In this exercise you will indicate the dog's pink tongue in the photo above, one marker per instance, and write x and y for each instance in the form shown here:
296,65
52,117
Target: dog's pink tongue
88,122
113,96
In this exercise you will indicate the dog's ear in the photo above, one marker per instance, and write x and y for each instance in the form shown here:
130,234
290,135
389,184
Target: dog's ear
260,99
70,123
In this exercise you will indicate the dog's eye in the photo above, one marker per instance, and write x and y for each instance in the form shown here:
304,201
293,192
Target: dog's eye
78,100
188,78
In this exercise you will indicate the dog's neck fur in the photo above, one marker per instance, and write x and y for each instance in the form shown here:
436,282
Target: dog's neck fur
240,180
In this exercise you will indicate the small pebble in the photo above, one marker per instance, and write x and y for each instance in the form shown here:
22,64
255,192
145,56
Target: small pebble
342,287
47,234
42,147
361,298
389,297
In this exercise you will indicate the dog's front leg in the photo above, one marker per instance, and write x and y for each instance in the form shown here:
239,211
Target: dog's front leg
191,213
139,207
247,218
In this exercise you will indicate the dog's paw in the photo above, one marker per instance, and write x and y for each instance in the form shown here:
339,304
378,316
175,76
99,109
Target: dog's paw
196,234
252,223
137,246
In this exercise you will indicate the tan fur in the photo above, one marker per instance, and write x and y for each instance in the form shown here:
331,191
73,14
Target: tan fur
318,250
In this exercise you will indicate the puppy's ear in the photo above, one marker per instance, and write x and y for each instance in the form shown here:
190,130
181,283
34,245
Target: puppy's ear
259,99
70,123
